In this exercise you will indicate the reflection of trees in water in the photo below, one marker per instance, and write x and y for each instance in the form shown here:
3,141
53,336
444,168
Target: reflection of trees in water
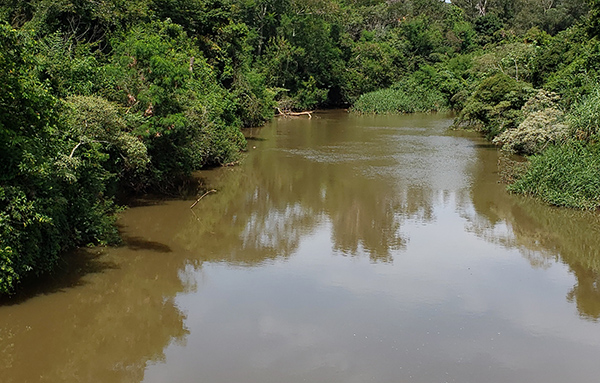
586,293
569,236
244,223
274,208
105,330
544,234
264,208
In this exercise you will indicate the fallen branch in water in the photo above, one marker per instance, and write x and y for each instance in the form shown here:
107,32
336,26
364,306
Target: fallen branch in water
202,196
286,113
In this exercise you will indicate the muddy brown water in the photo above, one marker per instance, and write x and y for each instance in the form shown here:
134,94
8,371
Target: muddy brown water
343,249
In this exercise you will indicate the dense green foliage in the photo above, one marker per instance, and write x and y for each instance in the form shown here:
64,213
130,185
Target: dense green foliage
54,175
100,97
96,101
495,105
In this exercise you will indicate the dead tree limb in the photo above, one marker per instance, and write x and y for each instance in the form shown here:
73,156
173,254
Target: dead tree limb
202,196
287,113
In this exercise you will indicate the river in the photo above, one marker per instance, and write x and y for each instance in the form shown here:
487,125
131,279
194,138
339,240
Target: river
343,248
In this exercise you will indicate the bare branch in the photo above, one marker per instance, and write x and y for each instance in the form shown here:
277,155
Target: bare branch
75,148
202,196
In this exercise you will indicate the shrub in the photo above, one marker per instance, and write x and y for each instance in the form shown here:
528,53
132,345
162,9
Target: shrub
309,96
495,106
255,102
186,118
543,125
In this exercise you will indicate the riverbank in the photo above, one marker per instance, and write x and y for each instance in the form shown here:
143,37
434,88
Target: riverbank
340,246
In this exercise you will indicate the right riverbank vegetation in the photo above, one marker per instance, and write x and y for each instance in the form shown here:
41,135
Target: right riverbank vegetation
112,97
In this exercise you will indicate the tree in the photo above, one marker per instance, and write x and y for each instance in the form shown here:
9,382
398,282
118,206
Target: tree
47,204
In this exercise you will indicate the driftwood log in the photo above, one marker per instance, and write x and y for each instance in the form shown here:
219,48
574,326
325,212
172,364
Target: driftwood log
287,113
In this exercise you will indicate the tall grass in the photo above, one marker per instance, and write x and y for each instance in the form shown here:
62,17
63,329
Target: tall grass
585,116
402,98
566,175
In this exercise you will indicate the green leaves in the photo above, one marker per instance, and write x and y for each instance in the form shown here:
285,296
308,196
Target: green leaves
94,120
182,111
495,105
594,18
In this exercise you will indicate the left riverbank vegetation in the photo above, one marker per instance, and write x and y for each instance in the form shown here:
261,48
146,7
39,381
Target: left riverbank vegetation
104,97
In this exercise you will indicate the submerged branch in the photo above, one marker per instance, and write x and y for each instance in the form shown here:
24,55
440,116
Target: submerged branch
202,196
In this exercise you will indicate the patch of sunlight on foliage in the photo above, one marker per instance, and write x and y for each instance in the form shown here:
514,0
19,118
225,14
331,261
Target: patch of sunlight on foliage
542,126
93,119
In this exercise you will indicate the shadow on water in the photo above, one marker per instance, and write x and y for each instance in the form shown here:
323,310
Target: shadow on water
100,318
258,139
105,313
486,145
73,267
136,243
182,189
144,201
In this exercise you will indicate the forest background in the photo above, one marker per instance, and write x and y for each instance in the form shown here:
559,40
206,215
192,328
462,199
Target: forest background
109,97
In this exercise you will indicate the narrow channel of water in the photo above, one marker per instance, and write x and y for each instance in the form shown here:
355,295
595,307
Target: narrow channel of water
343,249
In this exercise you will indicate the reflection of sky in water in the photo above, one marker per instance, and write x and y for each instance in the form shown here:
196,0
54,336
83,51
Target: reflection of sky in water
396,154
451,307
272,229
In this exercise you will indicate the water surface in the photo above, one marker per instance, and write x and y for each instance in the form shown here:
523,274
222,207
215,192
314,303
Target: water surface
343,249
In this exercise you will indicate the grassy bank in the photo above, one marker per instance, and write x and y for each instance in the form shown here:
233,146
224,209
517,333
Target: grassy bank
564,175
